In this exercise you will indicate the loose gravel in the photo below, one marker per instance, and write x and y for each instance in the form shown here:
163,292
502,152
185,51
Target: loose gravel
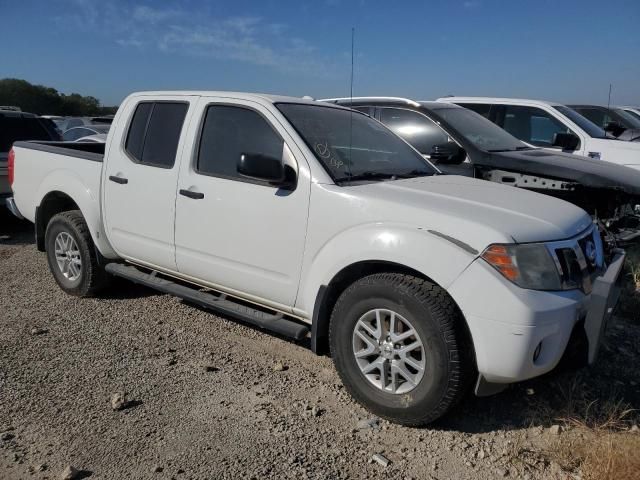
136,384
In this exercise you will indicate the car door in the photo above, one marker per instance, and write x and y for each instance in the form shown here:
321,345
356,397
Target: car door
242,236
139,182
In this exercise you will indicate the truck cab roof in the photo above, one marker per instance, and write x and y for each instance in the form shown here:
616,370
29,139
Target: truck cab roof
503,100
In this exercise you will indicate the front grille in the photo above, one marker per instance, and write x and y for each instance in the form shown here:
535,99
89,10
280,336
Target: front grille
579,260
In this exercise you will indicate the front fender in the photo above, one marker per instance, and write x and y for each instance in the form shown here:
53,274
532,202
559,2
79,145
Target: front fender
437,257
88,200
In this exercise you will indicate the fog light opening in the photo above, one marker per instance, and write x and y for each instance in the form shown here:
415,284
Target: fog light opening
536,352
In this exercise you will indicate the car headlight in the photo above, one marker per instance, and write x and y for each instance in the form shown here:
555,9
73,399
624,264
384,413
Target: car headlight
528,265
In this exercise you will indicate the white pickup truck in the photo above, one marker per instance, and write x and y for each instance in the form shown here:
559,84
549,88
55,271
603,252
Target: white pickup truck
315,221
552,125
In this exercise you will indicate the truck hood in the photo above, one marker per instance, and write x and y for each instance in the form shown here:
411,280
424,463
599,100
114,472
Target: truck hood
566,166
477,212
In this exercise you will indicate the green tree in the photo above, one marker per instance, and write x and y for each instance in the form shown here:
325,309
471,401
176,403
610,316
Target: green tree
48,101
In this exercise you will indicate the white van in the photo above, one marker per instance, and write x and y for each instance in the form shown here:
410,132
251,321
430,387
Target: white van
552,125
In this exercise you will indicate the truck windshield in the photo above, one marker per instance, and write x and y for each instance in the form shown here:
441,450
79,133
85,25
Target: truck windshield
587,125
483,133
351,146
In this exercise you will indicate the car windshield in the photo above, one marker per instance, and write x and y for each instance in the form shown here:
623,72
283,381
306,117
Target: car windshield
483,133
352,146
587,125
633,114
628,120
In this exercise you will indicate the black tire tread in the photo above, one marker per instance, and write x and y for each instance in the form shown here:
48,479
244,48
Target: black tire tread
444,309
97,278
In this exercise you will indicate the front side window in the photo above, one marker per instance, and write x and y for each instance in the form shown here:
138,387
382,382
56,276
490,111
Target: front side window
585,124
483,133
154,133
532,125
352,146
229,132
415,128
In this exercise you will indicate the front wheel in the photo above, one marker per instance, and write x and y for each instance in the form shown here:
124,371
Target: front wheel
399,348
71,255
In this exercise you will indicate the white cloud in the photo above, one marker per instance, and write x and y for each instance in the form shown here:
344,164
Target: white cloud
247,39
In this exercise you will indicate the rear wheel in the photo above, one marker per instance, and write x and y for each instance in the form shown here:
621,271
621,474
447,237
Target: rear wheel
71,255
397,343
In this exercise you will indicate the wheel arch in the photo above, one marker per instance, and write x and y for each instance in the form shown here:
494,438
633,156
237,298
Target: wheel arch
51,204
74,196
328,295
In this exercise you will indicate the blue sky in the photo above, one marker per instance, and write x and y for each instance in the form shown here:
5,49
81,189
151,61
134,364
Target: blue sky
568,51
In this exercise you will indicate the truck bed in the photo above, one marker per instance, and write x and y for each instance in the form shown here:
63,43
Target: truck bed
44,167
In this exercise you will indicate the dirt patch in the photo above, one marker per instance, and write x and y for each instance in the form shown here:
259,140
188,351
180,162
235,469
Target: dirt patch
204,397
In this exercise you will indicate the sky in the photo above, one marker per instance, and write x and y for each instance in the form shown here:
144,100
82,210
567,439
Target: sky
567,51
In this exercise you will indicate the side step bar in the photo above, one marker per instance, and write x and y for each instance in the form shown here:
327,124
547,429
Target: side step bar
274,322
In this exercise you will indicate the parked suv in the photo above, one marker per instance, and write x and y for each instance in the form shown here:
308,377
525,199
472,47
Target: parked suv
552,125
459,141
16,125
616,121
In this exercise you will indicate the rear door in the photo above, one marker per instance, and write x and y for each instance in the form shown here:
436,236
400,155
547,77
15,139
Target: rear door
236,234
140,177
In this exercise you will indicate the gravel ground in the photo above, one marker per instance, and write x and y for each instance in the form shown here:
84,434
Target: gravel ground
209,398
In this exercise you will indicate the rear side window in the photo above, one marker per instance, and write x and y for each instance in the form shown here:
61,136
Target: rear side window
17,128
154,133
229,132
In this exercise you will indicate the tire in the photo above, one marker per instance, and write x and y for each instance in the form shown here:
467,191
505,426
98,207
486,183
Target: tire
80,274
445,355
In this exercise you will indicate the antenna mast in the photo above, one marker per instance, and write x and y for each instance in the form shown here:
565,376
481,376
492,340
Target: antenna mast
353,31
351,98
609,101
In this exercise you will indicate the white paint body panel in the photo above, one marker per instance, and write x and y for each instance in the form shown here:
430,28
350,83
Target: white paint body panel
279,250
610,150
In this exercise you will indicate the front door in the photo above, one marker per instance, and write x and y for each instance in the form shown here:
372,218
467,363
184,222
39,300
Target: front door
242,236
140,179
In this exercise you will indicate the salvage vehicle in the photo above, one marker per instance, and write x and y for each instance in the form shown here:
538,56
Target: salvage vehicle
75,133
613,120
460,141
312,220
552,125
18,125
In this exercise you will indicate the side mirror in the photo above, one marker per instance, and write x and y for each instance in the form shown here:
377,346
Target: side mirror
566,141
447,154
265,168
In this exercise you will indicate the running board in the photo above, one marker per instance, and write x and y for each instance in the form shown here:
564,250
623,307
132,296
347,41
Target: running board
218,302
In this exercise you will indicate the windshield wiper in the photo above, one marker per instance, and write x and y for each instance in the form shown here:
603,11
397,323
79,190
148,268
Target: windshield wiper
499,150
415,173
366,176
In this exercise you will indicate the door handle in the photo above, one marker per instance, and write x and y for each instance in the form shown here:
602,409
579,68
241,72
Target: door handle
190,194
120,180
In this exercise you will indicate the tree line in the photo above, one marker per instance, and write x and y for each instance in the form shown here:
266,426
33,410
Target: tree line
43,100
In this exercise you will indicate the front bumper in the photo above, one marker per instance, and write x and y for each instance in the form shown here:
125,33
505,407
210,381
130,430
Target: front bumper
520,334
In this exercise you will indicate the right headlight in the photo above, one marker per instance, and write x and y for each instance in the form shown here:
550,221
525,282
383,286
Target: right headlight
528,265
